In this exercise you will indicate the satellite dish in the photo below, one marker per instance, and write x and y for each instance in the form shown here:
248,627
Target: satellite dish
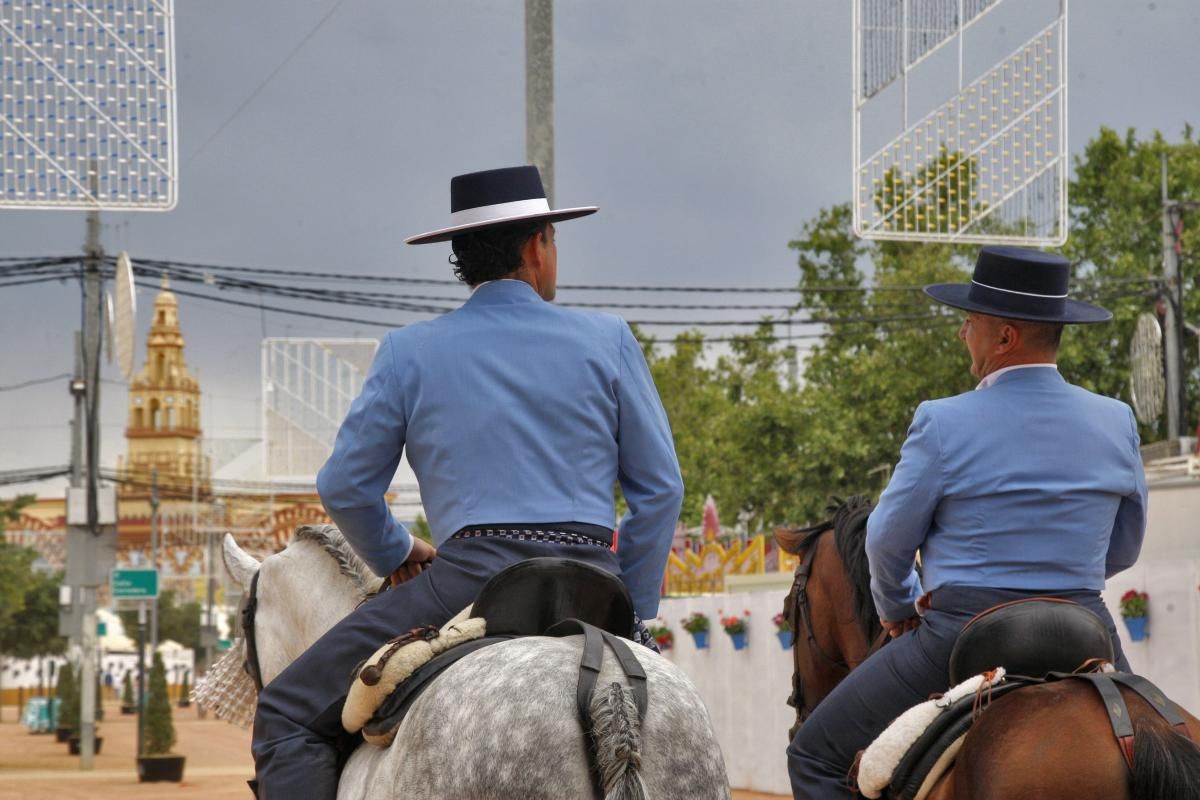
1147,386
108,305
126,315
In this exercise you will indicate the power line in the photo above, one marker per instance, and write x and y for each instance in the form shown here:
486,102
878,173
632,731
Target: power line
34,382
258,89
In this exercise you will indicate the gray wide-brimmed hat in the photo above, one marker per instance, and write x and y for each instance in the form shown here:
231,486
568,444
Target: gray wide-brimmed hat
497,197
1015,283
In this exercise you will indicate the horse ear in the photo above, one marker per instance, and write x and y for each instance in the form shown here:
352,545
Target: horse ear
790,541
240,564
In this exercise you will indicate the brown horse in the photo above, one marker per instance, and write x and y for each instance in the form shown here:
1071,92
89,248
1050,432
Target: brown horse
1048,741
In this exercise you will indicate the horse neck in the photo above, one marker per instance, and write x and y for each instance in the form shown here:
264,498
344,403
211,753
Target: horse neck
838,638
851,635
301,595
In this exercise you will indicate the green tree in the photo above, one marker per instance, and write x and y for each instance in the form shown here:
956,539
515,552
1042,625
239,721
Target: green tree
176,620
1116,242
33,630
160,730
15,563
771,450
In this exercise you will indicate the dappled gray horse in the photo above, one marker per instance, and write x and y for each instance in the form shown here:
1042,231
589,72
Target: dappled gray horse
501,722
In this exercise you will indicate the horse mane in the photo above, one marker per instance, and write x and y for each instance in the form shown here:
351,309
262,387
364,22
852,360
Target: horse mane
330,539
850,534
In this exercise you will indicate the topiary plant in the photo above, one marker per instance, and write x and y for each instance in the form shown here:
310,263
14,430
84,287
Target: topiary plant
127,690
67,693
160,730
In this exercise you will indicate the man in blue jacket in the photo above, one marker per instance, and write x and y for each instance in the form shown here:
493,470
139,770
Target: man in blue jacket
517,417
1026,487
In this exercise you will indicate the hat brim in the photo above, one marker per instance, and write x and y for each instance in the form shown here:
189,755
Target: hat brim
445,234
1074,312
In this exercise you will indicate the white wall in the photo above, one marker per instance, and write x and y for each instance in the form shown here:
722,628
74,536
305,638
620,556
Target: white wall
746,691
1170,654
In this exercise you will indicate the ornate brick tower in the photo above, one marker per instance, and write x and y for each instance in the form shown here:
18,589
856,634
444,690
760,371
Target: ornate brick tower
164,414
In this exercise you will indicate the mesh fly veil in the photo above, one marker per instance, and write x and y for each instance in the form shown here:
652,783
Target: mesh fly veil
227,689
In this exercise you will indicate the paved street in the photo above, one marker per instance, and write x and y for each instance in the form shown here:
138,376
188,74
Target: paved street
218,762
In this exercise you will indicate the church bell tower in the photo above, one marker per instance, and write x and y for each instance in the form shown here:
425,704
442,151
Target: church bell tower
163,429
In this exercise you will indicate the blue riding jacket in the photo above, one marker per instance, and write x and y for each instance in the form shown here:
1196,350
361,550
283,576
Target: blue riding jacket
1031,483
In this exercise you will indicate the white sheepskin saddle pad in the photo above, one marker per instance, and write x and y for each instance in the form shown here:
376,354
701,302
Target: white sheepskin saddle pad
394,662
880,760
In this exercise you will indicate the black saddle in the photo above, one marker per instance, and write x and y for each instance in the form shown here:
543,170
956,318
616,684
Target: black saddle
528,597
524,599
1035,639
1032,637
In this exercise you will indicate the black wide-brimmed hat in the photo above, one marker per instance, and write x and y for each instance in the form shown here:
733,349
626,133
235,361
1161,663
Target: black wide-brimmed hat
1014,283
497,197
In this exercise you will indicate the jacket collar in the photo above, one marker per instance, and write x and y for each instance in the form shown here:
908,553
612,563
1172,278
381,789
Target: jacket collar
1023,372
503,292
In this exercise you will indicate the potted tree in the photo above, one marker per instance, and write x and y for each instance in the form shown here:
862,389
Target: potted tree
157,763
68,703
128,704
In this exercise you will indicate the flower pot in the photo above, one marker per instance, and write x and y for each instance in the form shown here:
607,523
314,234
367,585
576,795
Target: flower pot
75,746
785,639
62,734
701,639
152,769
1137,628
739,640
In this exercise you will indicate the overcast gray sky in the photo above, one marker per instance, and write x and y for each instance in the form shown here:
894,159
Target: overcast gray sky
706,131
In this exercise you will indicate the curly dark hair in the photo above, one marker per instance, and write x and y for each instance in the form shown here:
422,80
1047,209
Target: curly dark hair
492,253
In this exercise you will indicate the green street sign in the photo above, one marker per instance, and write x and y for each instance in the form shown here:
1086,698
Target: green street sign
134,584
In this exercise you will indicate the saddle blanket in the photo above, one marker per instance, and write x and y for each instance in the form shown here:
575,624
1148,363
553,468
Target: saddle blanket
880,760
390,665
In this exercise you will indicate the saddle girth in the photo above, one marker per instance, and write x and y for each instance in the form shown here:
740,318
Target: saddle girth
1118,712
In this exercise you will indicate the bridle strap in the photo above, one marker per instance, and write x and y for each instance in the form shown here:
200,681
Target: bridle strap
802,618
250,664
803,572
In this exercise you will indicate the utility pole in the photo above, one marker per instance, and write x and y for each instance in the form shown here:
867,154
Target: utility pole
539,90
93,337
154,536
91,508
1173,306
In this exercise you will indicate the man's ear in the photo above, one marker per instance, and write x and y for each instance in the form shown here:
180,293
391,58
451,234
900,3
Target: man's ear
1009,337
531,253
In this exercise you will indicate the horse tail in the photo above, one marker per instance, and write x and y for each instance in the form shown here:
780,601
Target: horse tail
1165,764
616,733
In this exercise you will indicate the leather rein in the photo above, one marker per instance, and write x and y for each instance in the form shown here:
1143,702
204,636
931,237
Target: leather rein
801,620
250,662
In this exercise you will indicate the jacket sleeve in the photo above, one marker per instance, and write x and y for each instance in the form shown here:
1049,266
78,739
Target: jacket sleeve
354,480
1129,526
648,472
900,522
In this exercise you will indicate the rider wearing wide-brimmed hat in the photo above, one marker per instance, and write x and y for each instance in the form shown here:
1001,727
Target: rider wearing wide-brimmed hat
1026,487
517,416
